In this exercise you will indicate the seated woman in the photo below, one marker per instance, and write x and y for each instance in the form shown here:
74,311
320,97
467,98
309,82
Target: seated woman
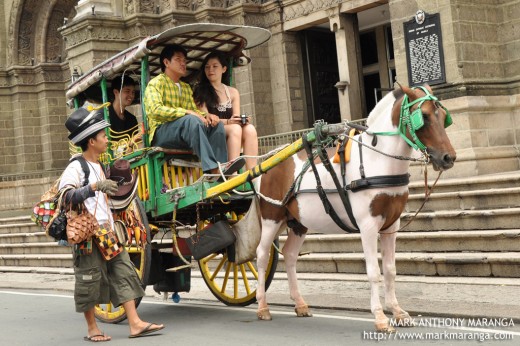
214,96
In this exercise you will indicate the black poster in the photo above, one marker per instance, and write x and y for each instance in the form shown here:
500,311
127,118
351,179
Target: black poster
424,55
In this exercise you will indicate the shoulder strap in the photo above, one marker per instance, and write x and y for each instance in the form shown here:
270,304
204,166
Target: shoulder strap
84,167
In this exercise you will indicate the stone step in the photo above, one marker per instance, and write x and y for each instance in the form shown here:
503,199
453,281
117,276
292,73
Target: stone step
479,264
481,182
37,260
15,219
443,241
31,237
21,227
34,248
506,218
475,264
464,200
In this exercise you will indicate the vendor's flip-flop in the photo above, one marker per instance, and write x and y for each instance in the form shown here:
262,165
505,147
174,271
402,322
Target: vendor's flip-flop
91,338
146,330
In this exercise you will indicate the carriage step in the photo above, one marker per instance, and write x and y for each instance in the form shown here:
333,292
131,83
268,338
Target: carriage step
37,260
478,264
445,241
506,218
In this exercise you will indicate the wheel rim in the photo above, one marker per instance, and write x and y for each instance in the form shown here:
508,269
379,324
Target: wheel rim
140,257
235,284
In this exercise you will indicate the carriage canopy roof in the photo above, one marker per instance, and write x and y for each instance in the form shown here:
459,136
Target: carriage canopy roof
199,39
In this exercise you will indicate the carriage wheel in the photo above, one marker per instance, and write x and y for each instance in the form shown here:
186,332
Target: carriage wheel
141,258
235,284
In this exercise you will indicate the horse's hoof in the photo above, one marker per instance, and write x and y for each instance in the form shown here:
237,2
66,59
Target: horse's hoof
384,327
403,319
264,314
303,311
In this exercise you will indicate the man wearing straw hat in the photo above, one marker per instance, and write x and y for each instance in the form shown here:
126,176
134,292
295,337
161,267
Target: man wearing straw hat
99,281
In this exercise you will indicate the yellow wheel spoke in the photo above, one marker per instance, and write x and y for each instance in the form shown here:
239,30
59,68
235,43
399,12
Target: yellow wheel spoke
244,277
209,258
253,270
235,280
226,277
222,261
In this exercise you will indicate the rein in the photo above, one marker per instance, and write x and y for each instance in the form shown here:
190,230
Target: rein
427,193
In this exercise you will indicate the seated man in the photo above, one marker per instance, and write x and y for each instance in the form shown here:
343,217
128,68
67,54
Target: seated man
123,124
174,119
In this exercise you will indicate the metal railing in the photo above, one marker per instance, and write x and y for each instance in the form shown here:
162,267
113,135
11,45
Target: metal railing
270,142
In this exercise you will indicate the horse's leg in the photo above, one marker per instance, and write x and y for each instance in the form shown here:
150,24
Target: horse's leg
387,240
369,241
269,231
290,252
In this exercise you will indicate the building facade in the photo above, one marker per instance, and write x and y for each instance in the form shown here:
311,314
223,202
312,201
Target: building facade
327,59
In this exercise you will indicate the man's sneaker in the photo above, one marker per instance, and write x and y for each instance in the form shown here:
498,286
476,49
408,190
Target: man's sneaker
232,166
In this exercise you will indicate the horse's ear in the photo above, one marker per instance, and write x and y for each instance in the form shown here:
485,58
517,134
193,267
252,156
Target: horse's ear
428,88
408,91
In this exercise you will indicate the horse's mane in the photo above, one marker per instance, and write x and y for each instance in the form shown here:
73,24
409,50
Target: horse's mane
383,108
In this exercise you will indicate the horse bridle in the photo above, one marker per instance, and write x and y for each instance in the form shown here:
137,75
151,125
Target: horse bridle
413,120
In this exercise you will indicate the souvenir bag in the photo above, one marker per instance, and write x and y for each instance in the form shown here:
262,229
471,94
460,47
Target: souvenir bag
56,227
107,242
48,211
84,248
81,224
44,210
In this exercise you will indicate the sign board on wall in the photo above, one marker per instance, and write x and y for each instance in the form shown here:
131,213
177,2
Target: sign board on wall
424,54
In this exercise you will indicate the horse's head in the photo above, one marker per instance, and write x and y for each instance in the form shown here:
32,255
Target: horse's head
422,121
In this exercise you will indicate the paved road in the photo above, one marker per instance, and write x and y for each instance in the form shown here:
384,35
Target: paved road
48,318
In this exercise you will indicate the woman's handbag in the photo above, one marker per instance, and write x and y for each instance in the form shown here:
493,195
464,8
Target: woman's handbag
80,225
107,242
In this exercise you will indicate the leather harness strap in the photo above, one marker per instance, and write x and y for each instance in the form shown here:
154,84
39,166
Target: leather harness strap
329,209
354,186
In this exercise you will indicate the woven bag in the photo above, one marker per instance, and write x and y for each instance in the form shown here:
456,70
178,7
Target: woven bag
80,226
107,243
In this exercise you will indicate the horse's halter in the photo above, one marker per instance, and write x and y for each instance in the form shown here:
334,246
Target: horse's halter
413,121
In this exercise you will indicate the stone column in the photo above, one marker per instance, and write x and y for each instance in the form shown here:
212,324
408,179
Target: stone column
345,27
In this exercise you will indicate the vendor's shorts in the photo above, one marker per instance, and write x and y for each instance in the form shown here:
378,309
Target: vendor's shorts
101,282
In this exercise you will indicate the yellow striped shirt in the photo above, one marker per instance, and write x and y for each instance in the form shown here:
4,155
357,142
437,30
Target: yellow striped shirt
164,102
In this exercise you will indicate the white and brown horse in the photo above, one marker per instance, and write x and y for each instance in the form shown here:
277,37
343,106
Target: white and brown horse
376,210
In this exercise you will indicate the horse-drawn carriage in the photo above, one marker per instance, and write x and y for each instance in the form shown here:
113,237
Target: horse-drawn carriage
175,200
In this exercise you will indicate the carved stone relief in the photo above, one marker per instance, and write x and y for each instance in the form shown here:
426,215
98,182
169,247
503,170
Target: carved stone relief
54,41
25,33
165,5
129,7
304,8
218,3
184,4
147,6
